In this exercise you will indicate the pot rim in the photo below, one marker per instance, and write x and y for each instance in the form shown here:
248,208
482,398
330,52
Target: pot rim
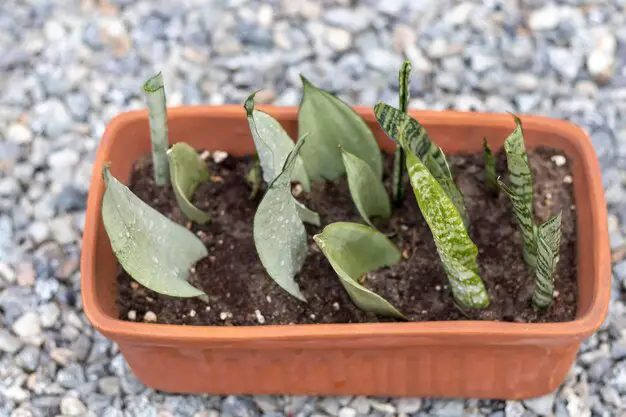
579,328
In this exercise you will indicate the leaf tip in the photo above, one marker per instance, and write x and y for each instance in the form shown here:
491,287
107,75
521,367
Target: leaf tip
248,105
154,83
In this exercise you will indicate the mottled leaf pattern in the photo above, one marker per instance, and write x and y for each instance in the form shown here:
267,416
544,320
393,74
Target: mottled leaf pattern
157,117
399,160
155,251
520,190
332,122
410,134
273,145
457,251
548,249
279,234
187,172
491,177
366,189
354,250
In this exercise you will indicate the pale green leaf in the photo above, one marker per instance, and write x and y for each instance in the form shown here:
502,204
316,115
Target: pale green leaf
187,172
331,123
157,117
273,145
548,249
253,178
491,177
410,134
155,251
457,251
520,190
367,190
279,234
353,250
307,215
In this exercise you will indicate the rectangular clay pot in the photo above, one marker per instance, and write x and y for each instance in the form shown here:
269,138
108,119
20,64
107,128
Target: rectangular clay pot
475,359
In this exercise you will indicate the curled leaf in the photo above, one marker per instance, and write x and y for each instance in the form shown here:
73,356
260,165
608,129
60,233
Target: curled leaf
154,250
548,248
332,122
353,250
187,172
457,251
411,135
253,178
273,145
367,190
491,177
307,215
157,117
520,191
279,234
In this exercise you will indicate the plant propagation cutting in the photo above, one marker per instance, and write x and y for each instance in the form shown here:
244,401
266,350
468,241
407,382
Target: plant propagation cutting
207,240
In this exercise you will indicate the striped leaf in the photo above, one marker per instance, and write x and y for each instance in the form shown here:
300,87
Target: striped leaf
548,248
366,189
154,250
520,190
399,161
187,172
157,117
353,250
491,176
279,234
410,134
331,123
457,251
273,145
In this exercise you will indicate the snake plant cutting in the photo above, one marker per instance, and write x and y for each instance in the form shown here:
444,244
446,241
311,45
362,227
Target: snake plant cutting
333,142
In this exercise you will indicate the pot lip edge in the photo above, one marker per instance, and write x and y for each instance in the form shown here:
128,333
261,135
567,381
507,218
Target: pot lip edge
579,328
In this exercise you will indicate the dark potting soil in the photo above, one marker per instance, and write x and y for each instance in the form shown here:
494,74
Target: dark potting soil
241,293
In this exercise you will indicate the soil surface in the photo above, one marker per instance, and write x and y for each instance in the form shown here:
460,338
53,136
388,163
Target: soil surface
241,293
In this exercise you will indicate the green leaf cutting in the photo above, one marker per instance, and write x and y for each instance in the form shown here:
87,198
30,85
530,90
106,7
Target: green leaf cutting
411,135
187,172
331,123
155,251
273,145
457,251
279,234
157,117
353,250
399,160
548,248
520,191
491,177
366,189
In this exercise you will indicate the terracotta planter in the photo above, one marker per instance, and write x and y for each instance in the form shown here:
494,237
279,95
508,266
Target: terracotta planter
451,359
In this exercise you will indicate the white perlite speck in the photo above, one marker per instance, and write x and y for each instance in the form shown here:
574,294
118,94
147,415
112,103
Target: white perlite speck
567,179
559,160
132,315
336,305
192,313
150,317
224,315
259,316
219,156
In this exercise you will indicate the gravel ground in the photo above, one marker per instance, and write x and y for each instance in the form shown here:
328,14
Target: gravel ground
68,66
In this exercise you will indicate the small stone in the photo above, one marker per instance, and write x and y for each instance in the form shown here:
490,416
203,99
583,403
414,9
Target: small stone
39,231
28,358
7,273
109,385
9,343
568,179
546,18
63,159
72,376
150,317
559,160
601,60
17,394
403,36
49,314
9,186
338,39
265,16
361,404
219,156
347,412
28,328
383,60
62,356
192,313
25,275
542,406
20,134
71,406
132,315
408,405
259,316
449,408
63,230
566,62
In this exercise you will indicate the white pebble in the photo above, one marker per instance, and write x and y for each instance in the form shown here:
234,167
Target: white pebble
559,160
555,293
150,317
192,313
205,155
312,316
219,156
132,315
224,315
567,179
269,299
438,287
208,308
259,316
336,305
